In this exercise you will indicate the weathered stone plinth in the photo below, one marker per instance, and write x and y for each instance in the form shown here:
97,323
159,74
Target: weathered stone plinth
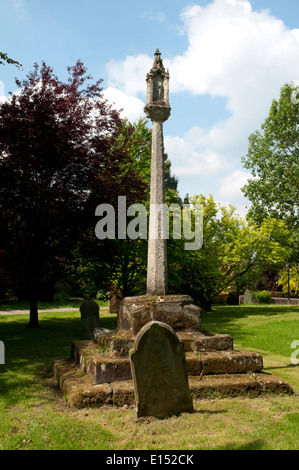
99,373
117,343
80,390
102,367
178,311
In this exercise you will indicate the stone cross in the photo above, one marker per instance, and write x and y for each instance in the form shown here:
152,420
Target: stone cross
158,110
159,372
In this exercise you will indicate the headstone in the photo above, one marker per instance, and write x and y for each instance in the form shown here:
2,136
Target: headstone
159,372
248,297
90,318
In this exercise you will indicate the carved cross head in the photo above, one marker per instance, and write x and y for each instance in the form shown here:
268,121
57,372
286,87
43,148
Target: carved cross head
158,83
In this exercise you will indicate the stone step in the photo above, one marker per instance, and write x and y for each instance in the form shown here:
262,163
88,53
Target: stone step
201,341
119,342
80,391
103,368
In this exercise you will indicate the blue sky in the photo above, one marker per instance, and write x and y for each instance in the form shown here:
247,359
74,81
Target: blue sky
227,60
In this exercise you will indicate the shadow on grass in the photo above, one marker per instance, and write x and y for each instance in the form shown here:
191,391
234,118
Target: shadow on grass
257,444
29,353
289,366
209,412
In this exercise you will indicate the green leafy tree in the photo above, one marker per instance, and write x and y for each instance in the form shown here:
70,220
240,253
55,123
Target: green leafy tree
59,159
289,279
273,159
120,265
234,253
139,148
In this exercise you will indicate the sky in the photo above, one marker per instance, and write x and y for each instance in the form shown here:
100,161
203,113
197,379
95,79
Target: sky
227,61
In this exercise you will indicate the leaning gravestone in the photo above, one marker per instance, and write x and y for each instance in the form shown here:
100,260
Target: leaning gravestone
247,297
90,318
159,372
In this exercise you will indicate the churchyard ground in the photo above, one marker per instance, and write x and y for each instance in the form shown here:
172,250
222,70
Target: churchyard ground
34,415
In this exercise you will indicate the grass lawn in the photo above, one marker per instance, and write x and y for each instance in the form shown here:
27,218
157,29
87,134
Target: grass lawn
34,415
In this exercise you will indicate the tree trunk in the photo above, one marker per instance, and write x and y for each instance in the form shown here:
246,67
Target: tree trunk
204,304
33,319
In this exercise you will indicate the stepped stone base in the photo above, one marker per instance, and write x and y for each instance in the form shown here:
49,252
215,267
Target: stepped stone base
80,391
119,342
99,372
104,368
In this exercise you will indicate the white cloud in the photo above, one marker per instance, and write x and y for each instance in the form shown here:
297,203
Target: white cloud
2,88
230,188
190,157
20,7
3,98
153,16
234,52
129,75
132,107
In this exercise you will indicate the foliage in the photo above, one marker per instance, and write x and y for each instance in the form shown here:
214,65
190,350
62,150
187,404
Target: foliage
262,297
234,254
59,159
5,59
120,264
273,157
269,281
289,279
60,297
139,148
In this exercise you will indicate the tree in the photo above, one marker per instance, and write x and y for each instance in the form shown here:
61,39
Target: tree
139,147
58,160
273,158
120,264
233,256
289,280
5,59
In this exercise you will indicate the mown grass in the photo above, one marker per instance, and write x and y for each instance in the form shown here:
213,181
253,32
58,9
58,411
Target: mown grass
269,327
34,415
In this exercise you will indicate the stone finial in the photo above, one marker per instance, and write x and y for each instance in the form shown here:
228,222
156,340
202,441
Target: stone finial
158,64
157,107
